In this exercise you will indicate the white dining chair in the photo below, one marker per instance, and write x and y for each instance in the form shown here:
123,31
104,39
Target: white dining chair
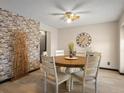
90,70
59,53
80,53
45,53
51,75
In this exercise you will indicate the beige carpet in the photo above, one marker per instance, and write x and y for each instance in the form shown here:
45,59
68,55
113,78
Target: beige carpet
109,82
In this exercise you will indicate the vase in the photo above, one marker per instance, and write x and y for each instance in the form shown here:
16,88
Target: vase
72,54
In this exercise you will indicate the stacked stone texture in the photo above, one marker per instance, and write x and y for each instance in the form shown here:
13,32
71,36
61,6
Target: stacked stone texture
9,23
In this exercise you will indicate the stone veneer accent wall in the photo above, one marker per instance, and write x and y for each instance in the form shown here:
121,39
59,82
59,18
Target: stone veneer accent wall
9,23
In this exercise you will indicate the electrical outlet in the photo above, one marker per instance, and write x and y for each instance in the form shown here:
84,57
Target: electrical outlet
108,63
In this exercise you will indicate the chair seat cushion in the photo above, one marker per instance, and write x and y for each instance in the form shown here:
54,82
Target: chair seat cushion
79,75
61,78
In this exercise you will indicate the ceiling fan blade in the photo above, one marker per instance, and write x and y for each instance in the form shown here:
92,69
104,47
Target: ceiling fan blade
83,12
60,7
62,18
57,14
79,5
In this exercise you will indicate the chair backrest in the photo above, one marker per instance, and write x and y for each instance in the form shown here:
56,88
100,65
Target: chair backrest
92,65
48,64
44,53
80,53
59,52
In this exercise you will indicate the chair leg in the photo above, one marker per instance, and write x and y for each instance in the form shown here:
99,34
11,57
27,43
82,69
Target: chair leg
95,86
83,86
72,84
69,85
45,83
56,88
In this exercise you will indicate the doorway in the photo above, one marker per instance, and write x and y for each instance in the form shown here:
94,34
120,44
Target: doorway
43,43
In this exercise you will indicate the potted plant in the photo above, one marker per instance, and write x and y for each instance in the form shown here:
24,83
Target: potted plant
71,49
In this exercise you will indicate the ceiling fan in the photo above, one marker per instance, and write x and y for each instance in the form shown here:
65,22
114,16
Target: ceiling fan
69,16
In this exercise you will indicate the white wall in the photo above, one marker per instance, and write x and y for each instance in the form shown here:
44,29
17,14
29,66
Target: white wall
104,40
121,21
121,40
122,50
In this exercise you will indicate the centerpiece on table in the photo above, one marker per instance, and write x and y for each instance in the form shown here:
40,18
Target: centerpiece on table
72,51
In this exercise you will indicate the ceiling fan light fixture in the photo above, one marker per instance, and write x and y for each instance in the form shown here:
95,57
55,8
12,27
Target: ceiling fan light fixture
72,15
69,20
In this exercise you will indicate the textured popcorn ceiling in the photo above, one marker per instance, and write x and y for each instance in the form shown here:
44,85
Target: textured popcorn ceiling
100,10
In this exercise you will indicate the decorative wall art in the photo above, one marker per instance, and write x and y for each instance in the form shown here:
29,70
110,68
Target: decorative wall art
83,39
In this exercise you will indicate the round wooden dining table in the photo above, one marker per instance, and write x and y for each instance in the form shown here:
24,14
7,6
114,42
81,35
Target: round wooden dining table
64,62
